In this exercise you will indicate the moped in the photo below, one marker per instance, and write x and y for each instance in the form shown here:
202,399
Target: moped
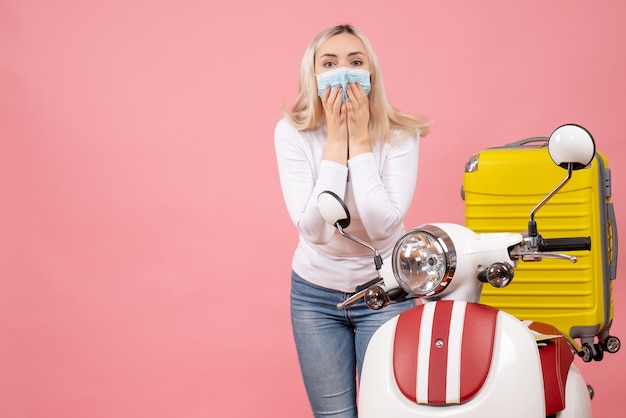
451,356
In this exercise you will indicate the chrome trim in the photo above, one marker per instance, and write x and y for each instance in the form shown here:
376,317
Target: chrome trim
446,247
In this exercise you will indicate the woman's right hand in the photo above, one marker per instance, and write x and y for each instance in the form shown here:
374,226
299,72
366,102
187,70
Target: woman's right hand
336,125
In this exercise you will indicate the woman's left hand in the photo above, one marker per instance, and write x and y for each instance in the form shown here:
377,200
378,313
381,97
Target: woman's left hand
358,109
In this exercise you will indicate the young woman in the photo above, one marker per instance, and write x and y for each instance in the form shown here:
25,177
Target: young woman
342,135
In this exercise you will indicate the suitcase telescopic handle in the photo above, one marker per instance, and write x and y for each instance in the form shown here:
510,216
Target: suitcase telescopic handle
521,142
564,244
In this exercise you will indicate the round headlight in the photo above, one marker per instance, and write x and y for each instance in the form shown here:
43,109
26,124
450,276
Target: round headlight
424,260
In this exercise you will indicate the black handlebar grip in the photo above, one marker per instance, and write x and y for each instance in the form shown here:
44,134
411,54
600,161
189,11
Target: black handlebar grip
366,285
564,244
397,294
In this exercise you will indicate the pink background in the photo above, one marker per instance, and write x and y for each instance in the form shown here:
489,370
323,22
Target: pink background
144,245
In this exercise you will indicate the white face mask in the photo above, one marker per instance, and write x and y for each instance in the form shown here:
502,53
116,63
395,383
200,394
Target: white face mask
340,77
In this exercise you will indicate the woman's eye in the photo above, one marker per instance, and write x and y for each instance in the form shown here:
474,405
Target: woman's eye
328,64
357,63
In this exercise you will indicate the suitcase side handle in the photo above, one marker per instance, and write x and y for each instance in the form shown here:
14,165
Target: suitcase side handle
614,246
522,142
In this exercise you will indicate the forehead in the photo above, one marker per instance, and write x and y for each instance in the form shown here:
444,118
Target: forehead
341,44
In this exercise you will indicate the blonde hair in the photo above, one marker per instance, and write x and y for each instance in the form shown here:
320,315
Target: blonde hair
307,111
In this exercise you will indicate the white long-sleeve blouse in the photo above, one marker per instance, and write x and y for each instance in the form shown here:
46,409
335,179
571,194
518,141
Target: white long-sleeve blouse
377,187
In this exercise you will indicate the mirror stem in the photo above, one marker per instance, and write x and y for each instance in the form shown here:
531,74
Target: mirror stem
378,260
532,225
553,192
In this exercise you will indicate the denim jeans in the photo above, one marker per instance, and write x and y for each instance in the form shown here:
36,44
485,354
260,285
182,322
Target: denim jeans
331,344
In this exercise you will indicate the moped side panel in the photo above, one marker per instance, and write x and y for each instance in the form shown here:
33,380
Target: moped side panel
513,387
577,401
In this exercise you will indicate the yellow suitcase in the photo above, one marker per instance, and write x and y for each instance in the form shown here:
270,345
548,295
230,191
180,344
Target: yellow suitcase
501,186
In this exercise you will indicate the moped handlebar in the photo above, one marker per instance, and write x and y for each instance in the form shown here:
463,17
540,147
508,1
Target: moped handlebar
564,244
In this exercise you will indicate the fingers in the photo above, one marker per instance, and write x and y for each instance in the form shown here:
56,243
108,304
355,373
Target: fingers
332,100
336,98
357,102
330,94
355,92
358,115
335,113
354,110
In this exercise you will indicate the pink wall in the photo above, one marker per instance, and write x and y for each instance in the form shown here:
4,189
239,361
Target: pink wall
145,248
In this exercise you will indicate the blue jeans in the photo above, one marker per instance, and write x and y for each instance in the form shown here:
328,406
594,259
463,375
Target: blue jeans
331,344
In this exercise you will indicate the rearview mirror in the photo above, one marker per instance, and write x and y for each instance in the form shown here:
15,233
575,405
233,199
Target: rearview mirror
333,209
571,144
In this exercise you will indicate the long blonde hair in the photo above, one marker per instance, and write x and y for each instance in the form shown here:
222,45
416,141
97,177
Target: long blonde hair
307,111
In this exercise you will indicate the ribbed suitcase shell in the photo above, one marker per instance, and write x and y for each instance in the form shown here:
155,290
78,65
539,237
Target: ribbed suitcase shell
499,196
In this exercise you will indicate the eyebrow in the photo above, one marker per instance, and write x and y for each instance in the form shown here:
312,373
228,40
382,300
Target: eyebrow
351,54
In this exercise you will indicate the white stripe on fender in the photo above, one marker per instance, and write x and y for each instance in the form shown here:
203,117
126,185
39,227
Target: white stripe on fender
423,353
453,375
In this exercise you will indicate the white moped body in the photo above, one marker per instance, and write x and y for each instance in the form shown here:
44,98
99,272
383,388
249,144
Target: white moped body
510,385
451,356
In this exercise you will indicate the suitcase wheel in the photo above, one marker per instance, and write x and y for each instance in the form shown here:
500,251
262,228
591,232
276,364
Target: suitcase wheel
612,344
599,352
590,352
586,353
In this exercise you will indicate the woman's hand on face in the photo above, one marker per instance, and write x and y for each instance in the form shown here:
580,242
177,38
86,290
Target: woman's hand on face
358,110
335,113
336,126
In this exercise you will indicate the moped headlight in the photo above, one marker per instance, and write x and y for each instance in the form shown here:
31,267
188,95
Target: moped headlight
424,260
